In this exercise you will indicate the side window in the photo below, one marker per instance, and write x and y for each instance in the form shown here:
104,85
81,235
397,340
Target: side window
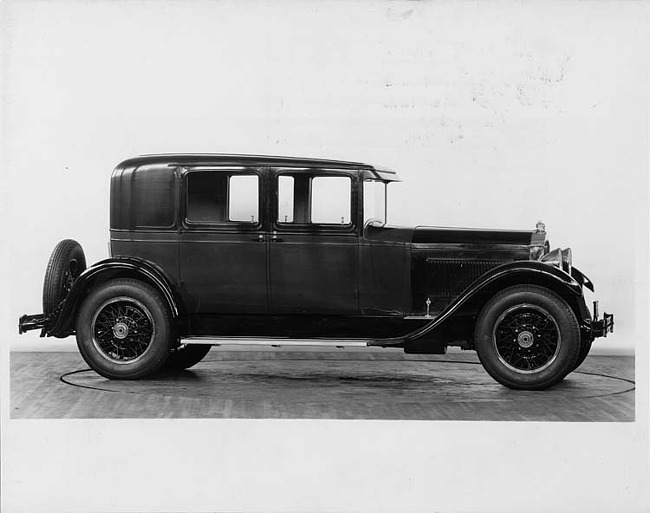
243,200
222,197
285,198
330,200
304,199
144,198
206,197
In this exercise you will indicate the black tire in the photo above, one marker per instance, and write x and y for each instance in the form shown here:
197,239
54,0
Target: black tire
585,347
186,356
527,338
66,263
124,329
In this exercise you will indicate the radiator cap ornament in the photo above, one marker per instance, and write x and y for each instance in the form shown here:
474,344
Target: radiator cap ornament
540,227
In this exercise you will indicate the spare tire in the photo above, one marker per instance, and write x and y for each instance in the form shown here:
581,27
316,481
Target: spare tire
66,264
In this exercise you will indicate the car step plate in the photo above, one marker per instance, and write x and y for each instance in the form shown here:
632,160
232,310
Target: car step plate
275,342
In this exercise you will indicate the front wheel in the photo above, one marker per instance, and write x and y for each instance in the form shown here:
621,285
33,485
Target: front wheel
527,338
585,347
124,329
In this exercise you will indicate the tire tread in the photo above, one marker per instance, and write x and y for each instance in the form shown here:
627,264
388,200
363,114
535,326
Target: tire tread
63,252
572,350
143,368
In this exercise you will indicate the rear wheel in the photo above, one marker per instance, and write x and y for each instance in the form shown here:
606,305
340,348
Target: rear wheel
66,263
527,338
124,329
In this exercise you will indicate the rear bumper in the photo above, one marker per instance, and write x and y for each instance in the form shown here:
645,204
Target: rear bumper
32,322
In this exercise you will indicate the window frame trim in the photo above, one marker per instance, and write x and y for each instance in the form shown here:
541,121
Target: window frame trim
227,225
135,171
314,172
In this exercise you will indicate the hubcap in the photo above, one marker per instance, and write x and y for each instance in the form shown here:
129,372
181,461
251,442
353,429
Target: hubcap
70,276
526,338
122,330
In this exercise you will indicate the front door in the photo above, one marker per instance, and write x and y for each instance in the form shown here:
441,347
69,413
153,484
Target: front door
223,247
314,244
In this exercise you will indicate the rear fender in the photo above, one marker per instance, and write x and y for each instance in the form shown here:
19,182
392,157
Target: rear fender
62,322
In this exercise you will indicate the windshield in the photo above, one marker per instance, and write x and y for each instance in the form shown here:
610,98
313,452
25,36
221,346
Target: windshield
374,202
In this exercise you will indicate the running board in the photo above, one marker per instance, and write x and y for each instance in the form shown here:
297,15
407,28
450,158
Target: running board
276,342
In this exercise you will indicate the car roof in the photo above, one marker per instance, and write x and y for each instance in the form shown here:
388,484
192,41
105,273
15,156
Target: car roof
197,159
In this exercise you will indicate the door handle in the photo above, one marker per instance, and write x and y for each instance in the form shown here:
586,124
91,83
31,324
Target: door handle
275,237
259,238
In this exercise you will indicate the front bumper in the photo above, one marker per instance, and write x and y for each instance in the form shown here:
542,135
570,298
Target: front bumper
601,327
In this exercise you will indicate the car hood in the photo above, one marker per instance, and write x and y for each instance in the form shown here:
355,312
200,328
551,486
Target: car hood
438,235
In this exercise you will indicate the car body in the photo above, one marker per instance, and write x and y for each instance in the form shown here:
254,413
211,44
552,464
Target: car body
285,250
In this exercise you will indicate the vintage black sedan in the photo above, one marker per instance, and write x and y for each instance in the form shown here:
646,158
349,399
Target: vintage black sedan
239,249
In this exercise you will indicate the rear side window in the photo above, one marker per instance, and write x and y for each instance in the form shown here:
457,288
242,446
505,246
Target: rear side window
143,198
243,198
222,197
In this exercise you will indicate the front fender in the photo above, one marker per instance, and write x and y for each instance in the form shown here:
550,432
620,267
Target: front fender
498,278
61,323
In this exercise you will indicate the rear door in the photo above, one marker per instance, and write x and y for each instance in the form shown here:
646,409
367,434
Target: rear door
314,243
223,248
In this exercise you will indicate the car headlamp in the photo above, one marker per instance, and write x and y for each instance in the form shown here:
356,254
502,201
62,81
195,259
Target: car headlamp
560,258
553,257
566,260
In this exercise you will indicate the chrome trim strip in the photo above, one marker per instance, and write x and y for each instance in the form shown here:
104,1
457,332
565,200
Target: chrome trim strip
437,246
163,241
274,342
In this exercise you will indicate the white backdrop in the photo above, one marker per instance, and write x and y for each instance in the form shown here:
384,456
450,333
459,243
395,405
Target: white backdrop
496,115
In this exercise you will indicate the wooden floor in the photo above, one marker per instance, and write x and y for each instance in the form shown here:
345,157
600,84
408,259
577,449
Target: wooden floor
343,384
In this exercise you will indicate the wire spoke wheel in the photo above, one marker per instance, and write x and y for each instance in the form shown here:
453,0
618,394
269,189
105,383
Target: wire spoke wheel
70,276
122,330
526,338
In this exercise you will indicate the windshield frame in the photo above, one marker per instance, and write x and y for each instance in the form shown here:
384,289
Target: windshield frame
375,221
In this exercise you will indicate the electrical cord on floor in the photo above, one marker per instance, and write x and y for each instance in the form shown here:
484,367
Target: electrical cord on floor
62,379
597,374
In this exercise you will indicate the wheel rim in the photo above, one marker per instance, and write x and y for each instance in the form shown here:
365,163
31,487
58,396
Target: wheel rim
70,276
122,330
526,338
